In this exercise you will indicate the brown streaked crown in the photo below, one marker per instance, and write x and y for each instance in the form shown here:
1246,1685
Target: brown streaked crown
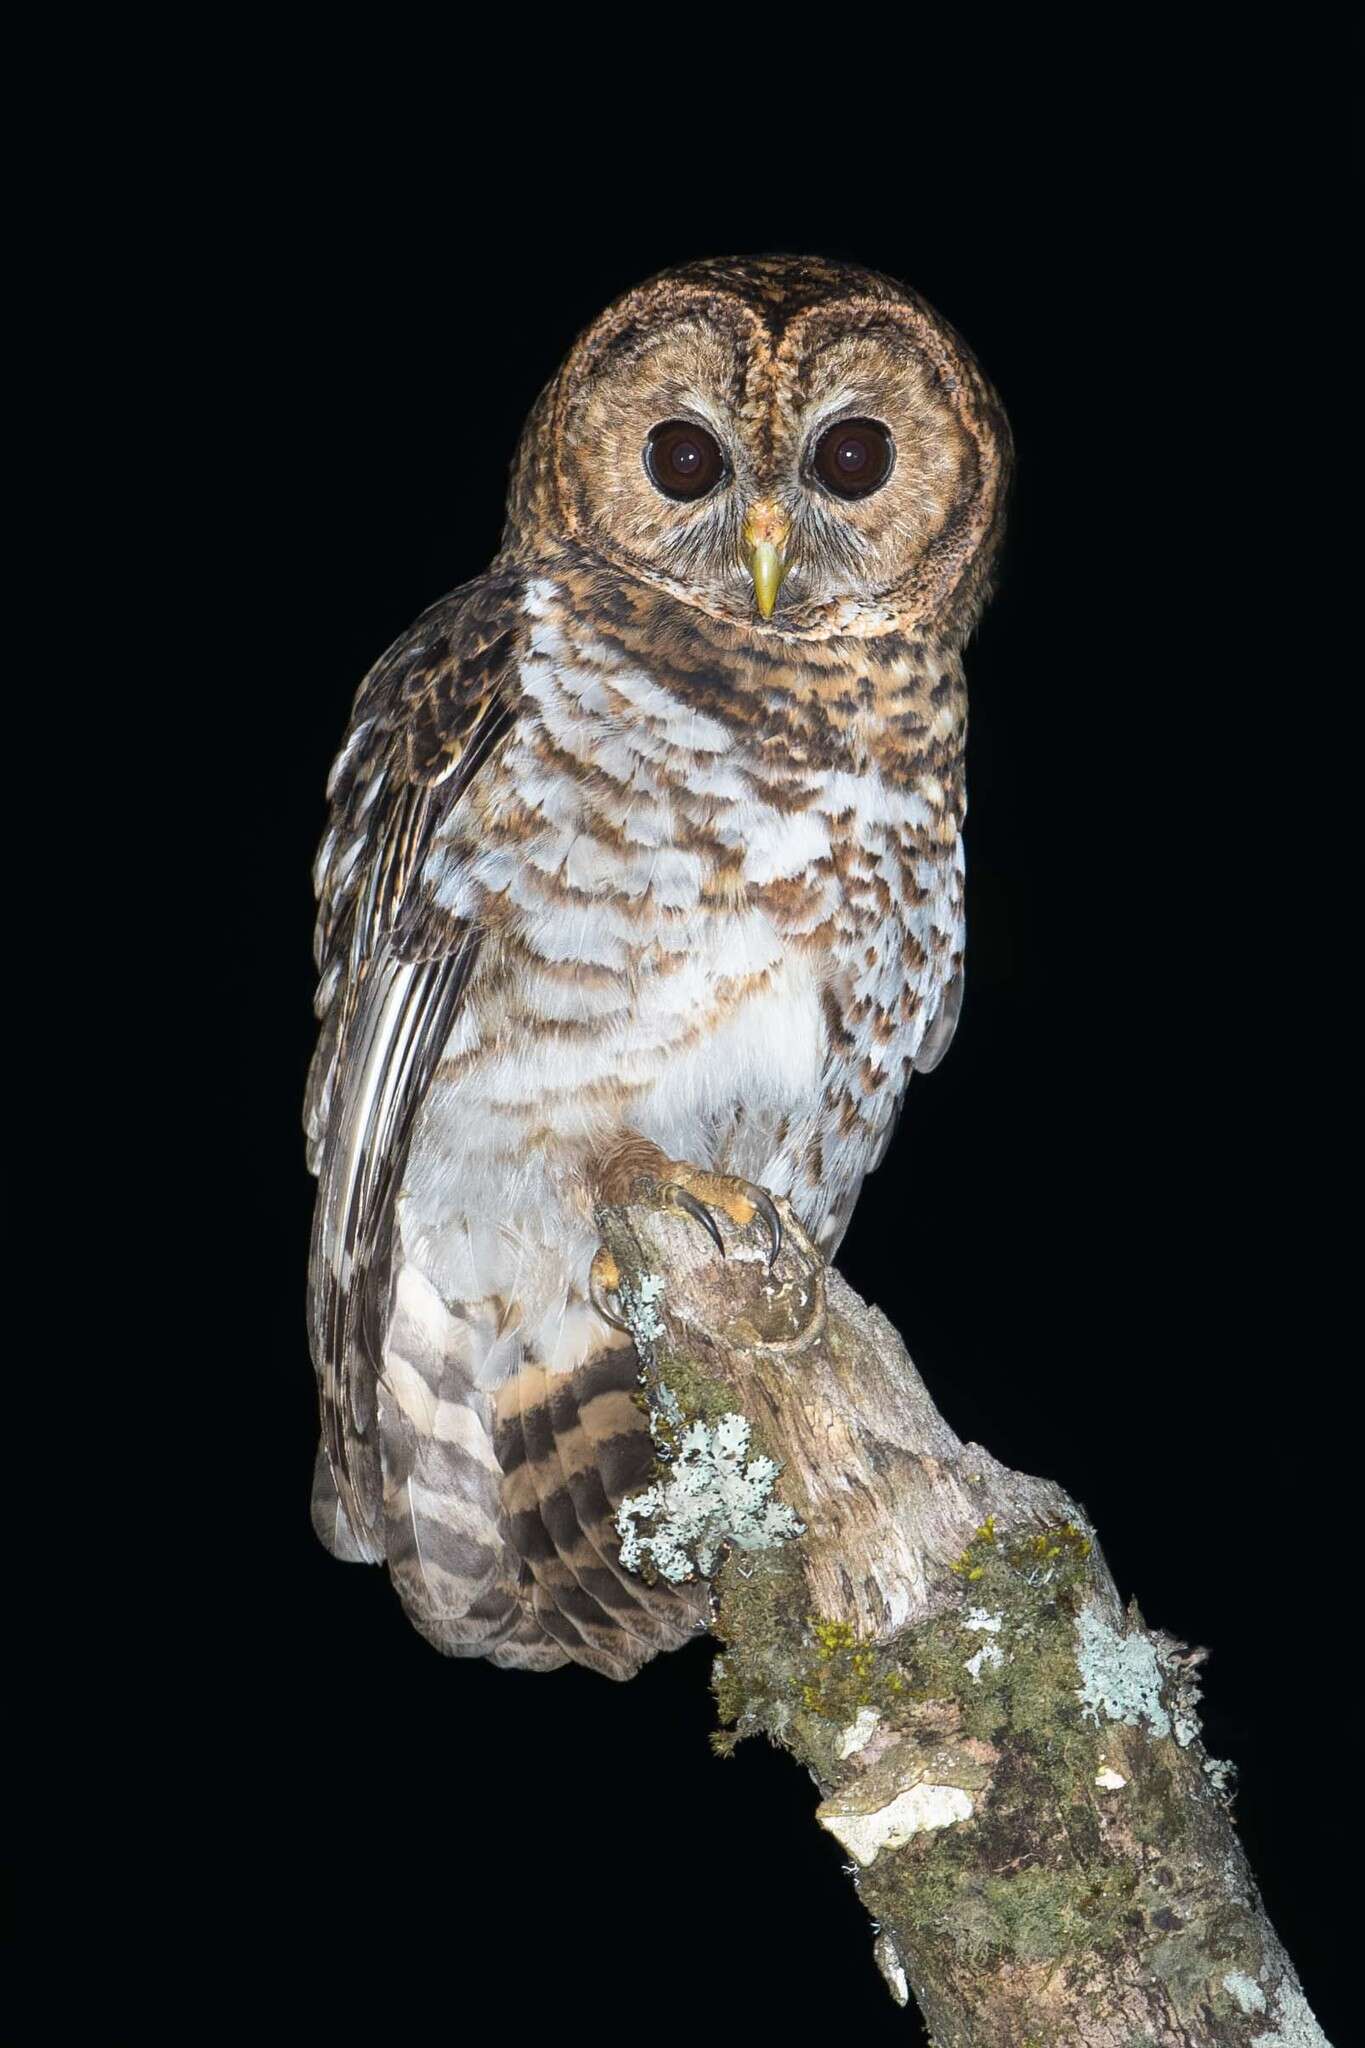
765,354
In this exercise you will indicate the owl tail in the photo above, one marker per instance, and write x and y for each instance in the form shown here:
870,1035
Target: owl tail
572,1446
330,1524
499,1508
453,1611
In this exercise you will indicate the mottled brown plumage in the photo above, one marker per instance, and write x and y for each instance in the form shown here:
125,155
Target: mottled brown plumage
615,859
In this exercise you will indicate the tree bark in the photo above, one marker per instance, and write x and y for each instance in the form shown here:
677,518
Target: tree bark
1009,1757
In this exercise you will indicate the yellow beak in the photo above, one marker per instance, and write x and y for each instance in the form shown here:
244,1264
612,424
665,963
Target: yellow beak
765,540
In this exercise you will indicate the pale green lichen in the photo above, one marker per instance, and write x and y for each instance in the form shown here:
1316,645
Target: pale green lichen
1184,1727
989,1656
1246,1991
1295,2026
712,1494
1180,1668
1222,1775
666,1421
976,1621
638,1308
1121,1678
667,1406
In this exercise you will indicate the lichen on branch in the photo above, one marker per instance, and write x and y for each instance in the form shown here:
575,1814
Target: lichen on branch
712,1493
1008,1758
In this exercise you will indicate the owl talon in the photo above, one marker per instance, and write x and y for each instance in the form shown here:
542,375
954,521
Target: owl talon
682,1198
767,1209
741,1207
608,1315
604,1277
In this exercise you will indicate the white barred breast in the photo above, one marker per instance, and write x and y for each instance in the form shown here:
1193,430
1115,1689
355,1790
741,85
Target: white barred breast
677,944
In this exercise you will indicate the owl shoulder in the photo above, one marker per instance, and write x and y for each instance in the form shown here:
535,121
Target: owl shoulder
425,719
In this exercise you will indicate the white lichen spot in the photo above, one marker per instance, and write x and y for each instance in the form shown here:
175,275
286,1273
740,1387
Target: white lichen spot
987,1658
1184,1725
977,1619
859,1731
714,1494
1110,1780
1222,1775
892,1968
637,1306
914,1812
1246,1991
1120,1675
665,1419
1180,1669
1295,2026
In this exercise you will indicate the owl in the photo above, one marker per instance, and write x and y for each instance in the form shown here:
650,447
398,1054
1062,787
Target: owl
644,857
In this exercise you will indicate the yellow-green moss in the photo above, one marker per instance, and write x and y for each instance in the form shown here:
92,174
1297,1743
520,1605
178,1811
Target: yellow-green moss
1028,1587
1062,1544
991,1886
700,1398
841,1675
806,1676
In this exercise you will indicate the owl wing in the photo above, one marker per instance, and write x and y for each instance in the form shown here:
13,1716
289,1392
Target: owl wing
933,1046
395,966
938,1036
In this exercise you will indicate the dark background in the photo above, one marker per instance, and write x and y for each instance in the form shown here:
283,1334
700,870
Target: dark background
1105,1229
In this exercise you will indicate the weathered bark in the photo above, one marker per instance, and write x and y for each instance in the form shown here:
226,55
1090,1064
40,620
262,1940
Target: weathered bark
1010,1759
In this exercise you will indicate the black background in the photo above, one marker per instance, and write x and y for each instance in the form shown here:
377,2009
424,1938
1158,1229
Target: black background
1104,1229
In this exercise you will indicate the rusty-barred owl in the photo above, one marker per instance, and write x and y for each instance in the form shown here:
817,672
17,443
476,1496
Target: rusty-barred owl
644,854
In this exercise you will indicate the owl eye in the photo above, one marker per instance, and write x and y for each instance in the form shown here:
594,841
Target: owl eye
853,458
683,460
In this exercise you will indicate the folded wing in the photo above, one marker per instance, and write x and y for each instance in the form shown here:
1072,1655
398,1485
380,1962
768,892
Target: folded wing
395,967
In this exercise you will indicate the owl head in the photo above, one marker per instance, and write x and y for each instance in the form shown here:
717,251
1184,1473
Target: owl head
799,447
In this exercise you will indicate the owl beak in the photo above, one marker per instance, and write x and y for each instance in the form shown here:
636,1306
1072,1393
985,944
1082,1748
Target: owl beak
765,539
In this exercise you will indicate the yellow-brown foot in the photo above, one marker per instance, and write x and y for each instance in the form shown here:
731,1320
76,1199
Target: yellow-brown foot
604,1277
693,1189
700,1193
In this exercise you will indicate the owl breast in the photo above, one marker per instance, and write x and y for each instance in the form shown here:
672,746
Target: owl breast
733,957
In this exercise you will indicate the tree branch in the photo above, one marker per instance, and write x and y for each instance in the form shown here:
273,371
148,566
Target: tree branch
1009,1758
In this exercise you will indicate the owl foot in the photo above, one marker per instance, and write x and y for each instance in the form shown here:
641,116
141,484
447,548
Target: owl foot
635,1168
691,1189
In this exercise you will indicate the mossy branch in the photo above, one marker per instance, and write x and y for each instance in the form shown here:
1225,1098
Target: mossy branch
1009,1758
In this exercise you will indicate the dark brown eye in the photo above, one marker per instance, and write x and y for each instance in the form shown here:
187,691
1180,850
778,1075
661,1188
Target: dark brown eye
854,457
683,460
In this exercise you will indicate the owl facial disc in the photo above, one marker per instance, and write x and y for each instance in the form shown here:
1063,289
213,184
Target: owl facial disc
800,449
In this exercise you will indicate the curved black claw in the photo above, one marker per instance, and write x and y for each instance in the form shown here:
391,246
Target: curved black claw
683,1198
608,1315
767,1209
